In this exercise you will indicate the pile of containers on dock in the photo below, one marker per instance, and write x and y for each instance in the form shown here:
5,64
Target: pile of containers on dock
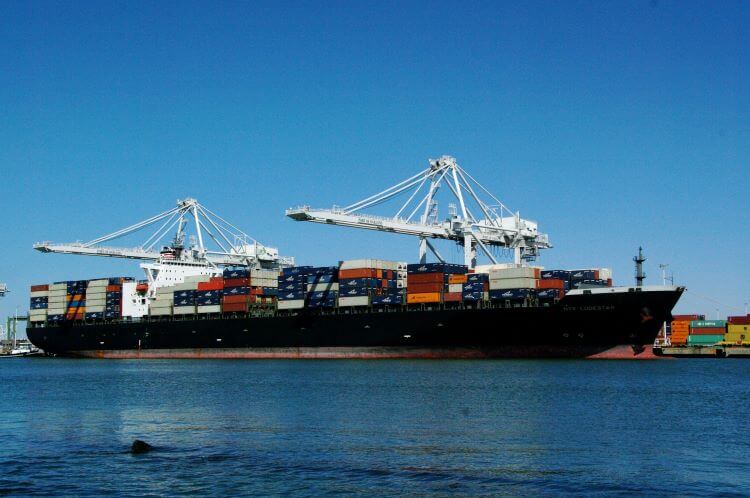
738,330
706,332
679,328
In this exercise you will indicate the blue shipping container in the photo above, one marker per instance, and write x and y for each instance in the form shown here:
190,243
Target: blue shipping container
289,296
473,287
548,293
94,316
472,296
353,291
512,294
270,291
236,273
477,277
388,299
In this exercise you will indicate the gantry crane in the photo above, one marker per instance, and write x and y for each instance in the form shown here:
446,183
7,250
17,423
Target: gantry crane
491,224
233,246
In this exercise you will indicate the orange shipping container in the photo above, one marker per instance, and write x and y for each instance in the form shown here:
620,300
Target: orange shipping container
114,288
420,288
207,286
359,273
236,282
425,278
457,279
423,297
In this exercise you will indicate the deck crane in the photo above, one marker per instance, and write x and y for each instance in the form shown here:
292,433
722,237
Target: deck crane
490,224
231,246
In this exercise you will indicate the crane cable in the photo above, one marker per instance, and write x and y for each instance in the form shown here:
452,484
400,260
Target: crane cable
707,298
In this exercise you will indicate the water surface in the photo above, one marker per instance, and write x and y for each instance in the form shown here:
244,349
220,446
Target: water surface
378,427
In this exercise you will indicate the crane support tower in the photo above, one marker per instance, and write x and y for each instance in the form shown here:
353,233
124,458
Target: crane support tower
475,223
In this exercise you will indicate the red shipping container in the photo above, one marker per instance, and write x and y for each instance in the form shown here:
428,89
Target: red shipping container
256,291
550,283
37,288
739,320
358,273
237,282
419,288
685,318
708,331
233,307
235,299
452,297
114,288
425,278
206,286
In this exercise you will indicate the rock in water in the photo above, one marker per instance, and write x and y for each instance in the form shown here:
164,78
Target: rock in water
140,447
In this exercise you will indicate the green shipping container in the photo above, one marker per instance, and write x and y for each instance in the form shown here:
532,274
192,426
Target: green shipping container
704,340
708,324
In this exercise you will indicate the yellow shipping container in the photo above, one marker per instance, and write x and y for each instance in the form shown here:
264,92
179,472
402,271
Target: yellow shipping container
737,334
457,279
423,297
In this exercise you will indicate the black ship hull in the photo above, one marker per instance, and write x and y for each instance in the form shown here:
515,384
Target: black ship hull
615,324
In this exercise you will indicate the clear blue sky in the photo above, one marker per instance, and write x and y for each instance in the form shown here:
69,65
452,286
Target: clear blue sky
613,124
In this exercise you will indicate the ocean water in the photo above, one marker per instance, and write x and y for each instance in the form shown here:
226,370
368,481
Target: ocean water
374,427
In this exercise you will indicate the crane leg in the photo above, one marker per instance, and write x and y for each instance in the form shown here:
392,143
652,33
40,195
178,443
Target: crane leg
422,250
470,251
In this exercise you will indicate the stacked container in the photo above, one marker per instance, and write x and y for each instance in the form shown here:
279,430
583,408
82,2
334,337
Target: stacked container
263,287
576,279
706,332
208,295
235,290
514,284
435,283
322,287
738,330
96,299
376,282
75,300
39,301
476,288
292,286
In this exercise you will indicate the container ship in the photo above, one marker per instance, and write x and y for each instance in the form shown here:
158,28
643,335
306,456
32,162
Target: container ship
242,300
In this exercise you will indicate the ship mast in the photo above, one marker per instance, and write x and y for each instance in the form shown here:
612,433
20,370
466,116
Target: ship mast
639,275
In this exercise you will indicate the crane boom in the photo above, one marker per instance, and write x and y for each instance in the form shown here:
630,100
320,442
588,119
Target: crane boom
497,227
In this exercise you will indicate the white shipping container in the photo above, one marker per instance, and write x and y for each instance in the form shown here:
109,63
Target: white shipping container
291,304
160,304
354,301
184,310
58,287
455,287
605,273
96,297
160,311
39,294
37,313
37,318
94,309
62,292
178,287
523,272
97,283
264,274
513,283
210,309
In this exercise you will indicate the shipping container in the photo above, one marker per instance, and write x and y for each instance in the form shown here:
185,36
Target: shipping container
39,288
510,294
425,278
234,307
422,288
425,297
704,340
436,268
698,324
452,297
739,320
345,301
209,308
513,283
388,299
291,304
